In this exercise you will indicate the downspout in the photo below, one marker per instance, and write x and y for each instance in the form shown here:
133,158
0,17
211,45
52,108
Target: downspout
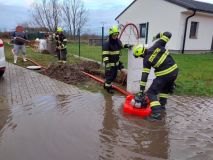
186,25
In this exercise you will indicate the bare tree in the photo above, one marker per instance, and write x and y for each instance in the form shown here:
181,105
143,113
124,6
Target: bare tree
75,15
46,14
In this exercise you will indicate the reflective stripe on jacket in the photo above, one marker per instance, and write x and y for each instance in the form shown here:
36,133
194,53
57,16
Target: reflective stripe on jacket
158,58
111,52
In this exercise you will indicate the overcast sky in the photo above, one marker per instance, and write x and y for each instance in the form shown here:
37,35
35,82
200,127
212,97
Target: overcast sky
13,12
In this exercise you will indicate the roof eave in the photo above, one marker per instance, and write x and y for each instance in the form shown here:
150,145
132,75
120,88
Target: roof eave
209,12
190,8
178,4
125,9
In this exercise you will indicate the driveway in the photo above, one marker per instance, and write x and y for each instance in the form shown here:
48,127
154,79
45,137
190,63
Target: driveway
19,85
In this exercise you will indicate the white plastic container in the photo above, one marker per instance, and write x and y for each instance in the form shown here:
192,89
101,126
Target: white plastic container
42,45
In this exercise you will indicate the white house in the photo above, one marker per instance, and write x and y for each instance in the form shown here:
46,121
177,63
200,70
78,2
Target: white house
189,21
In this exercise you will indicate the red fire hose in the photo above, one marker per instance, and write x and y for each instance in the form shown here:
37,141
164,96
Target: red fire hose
91,76
102,81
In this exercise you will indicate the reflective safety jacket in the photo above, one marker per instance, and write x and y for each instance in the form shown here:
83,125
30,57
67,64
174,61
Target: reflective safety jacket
158,58
61,41
111,52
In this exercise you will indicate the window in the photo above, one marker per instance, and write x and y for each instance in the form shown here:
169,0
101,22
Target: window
193,30
144,30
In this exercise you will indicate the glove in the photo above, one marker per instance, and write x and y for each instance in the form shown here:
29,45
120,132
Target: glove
139,96
129,46
141,99
107,66
154,38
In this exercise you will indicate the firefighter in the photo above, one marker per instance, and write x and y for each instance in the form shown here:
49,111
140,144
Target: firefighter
111,57
166,72
61,45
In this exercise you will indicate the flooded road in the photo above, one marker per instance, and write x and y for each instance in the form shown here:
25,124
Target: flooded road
92,126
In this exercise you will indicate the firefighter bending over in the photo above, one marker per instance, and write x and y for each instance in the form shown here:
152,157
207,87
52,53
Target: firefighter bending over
166,72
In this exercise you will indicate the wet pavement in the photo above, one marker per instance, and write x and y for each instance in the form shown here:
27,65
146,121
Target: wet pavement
59,121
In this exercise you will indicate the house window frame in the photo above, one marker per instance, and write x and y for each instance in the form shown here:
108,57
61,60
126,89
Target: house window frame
142,30
144,27
193,34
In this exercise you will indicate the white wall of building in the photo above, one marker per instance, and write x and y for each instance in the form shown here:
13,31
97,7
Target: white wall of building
205,33
165,16
161,15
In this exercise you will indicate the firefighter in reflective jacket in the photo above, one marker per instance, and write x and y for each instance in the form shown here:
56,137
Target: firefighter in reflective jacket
111,56
61,45
166,72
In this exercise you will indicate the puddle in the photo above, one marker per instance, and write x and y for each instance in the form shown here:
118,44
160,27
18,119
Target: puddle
89,126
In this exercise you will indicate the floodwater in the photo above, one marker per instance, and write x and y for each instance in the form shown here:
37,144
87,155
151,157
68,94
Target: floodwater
92,126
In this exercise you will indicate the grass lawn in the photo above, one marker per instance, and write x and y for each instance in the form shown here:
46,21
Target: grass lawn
92,52
196,70
43,59
195,76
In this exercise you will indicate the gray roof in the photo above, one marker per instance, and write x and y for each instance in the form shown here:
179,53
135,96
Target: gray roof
194,5
189,4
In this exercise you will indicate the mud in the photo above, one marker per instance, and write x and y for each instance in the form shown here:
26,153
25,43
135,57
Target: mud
71,73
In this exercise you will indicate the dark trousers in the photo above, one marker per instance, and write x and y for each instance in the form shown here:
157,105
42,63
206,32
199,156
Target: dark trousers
161,85
110,75
62,54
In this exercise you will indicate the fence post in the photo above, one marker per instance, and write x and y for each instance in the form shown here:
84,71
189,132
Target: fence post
79,42
102,41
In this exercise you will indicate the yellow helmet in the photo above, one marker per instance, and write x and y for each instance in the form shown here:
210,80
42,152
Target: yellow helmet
113,30
138,50
59,29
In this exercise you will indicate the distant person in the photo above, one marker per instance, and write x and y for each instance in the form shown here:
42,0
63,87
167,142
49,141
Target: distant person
111,57
61,45
166,72
19,39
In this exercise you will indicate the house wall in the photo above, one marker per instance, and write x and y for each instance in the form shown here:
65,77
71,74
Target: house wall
161,15
165,16
205,33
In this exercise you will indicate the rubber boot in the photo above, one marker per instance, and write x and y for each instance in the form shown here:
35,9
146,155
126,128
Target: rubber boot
156,114
109,89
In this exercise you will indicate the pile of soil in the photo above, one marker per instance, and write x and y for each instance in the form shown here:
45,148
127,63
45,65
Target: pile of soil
71,73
